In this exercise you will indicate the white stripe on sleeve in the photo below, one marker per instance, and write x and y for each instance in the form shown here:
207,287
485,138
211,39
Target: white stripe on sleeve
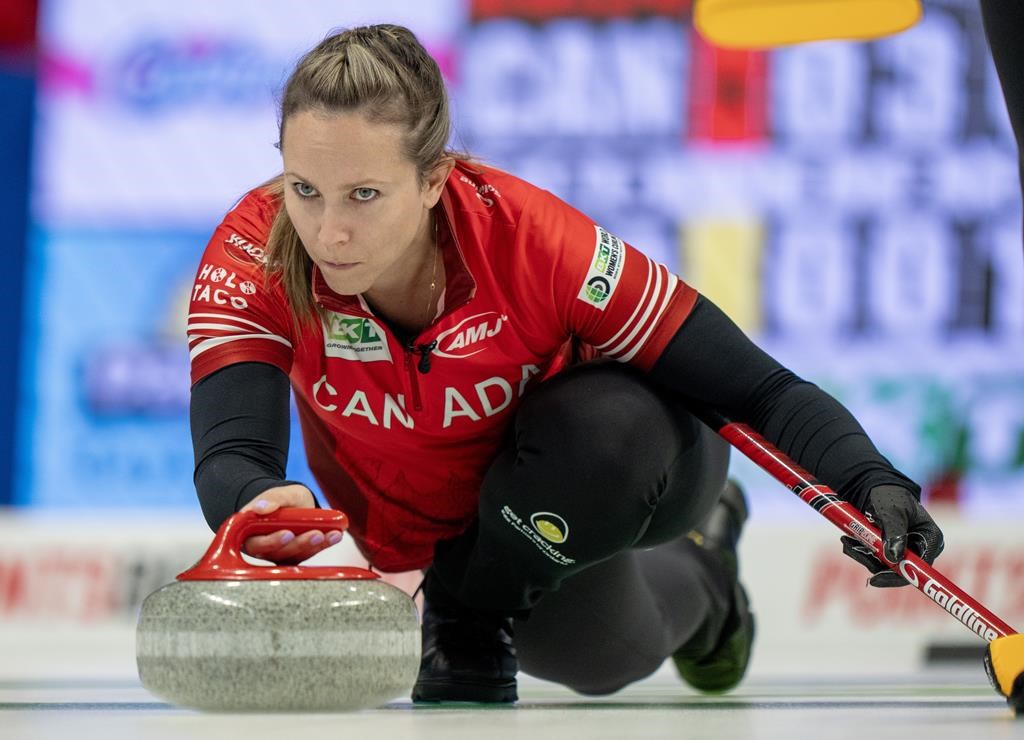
655,294
639,305
672,282
229,317
208,344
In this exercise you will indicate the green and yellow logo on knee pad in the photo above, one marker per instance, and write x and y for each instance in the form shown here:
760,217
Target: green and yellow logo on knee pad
552,527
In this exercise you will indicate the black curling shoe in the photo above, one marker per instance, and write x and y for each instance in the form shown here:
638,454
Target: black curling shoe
723,668
467,654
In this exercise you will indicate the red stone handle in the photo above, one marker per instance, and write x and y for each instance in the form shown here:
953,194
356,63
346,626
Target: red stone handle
223,559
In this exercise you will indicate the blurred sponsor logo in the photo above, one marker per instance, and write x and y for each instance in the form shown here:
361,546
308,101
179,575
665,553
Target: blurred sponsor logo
542,10
137,380
483,192
157,74
85,585
986,565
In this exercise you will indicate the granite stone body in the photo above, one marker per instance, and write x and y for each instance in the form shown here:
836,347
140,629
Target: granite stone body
261,645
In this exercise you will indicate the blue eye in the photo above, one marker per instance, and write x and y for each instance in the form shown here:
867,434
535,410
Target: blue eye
304,190
364,194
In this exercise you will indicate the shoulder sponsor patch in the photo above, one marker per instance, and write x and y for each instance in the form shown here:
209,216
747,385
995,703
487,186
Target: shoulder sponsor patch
605,270
483,192
244,251
355,338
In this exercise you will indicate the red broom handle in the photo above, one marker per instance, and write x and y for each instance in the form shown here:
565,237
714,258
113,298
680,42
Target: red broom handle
933,584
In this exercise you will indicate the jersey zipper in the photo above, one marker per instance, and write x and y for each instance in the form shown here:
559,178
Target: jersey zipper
414,383
423,366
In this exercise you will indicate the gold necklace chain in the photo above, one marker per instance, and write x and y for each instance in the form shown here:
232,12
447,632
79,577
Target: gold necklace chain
433,278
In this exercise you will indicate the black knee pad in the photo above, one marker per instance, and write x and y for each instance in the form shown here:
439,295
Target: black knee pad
596,451
605,419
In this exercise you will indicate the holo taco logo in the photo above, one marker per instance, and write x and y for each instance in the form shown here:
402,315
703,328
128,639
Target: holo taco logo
605,270
551,527
355,338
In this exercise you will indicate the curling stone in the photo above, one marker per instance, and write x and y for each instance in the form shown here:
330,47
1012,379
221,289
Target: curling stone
232,636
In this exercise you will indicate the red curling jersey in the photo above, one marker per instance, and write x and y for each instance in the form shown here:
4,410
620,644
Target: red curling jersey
400,451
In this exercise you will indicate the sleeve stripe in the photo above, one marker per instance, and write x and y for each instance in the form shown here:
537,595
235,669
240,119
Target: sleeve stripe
636,310
228,317
226,327
208,344
673,281
648,303
222,327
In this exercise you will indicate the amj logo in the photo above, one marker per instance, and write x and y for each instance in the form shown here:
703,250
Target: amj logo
464,339
355,338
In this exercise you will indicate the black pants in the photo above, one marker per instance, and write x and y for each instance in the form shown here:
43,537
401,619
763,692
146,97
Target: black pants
582,531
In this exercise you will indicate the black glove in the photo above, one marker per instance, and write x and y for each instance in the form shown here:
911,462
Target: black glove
902,519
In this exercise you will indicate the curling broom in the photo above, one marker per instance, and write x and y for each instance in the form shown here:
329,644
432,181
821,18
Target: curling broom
1004,658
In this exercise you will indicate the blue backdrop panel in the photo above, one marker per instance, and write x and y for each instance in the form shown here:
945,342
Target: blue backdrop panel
106,420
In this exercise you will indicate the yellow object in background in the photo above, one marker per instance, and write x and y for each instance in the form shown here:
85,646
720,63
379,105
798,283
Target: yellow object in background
761,24
722,260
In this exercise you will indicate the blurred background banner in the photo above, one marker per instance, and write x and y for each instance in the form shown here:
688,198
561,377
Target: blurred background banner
854,207
152,121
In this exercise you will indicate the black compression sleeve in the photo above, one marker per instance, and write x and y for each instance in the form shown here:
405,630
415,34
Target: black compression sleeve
713,362
1004,27
240,426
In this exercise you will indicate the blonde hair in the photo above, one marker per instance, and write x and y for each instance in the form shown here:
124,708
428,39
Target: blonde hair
383,72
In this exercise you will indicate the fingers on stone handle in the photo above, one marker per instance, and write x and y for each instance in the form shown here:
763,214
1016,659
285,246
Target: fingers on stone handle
264,506
299,548
321,541
260,506
262,545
